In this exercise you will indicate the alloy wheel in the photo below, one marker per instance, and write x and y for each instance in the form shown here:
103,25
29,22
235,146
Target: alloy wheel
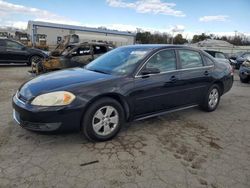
105,120
213,98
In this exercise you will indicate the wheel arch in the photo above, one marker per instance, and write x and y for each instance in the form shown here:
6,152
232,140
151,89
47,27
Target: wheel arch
118,97
221,85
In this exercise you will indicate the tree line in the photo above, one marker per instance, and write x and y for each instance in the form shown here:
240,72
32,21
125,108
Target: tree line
166,38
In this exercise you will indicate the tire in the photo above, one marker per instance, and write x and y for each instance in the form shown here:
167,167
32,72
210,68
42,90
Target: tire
212,98
244,80
34,58
96,119
39,68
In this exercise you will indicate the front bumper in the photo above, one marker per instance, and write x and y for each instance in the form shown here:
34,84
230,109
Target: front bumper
244,72
46,119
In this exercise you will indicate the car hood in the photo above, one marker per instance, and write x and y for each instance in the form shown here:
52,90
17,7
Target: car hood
60,80
42,52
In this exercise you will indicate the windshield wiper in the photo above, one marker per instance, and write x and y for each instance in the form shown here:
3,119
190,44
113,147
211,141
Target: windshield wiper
96,70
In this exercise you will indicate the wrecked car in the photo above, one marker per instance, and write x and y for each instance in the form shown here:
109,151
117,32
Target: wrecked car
73,55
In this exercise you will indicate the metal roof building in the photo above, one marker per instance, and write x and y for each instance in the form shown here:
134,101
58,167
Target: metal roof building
56,32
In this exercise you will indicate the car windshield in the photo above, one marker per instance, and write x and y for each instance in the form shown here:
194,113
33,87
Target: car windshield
120,61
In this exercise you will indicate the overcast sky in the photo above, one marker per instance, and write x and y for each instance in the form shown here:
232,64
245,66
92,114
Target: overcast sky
185,16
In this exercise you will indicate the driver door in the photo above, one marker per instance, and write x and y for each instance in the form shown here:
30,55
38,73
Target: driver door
157,92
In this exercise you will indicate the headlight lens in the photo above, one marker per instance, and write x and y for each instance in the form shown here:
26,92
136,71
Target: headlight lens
58,98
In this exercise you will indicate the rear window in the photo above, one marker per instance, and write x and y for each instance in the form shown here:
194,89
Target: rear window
220,55
190,59
208,61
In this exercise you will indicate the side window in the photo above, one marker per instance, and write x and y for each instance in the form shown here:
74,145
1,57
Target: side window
164,61
208,61
190,59
82,50
13,45
220,56
99,49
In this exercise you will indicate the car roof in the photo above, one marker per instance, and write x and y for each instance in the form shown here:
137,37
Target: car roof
213,51
161,46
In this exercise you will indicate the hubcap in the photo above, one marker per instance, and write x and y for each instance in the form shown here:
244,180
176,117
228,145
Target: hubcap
213,98
35,59
105,120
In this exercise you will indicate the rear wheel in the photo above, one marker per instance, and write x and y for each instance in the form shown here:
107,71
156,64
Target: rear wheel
212,98
103,119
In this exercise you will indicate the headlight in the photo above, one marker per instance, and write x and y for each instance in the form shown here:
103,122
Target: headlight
58,98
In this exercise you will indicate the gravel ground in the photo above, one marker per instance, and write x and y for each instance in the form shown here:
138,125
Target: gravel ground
190,148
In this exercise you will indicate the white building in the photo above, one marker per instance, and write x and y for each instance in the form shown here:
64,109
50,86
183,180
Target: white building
56,32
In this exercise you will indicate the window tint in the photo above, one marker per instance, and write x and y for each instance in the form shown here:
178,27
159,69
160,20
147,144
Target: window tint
13,45
190,59
164,61
220,55
99,49
208,61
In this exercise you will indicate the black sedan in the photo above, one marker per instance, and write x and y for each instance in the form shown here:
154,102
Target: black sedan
15,52
125,84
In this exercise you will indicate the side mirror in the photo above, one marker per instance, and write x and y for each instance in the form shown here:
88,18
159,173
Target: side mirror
24,48
148,71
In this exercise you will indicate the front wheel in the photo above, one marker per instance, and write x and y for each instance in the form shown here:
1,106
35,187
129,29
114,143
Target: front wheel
34,59
212,98
103,120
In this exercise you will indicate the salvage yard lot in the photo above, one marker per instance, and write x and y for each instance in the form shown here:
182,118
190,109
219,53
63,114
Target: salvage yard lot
190,148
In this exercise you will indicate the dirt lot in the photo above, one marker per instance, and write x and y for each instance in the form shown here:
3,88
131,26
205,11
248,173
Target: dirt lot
191,148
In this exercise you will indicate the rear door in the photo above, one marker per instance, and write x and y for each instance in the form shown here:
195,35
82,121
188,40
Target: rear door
195,76
157,92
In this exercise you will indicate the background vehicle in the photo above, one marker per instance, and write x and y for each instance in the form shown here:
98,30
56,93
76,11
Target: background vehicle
239,59
15,52
127,83
244,71
73,55
219,56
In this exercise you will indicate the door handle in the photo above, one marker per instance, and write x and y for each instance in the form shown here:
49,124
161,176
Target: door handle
206,73
173,79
